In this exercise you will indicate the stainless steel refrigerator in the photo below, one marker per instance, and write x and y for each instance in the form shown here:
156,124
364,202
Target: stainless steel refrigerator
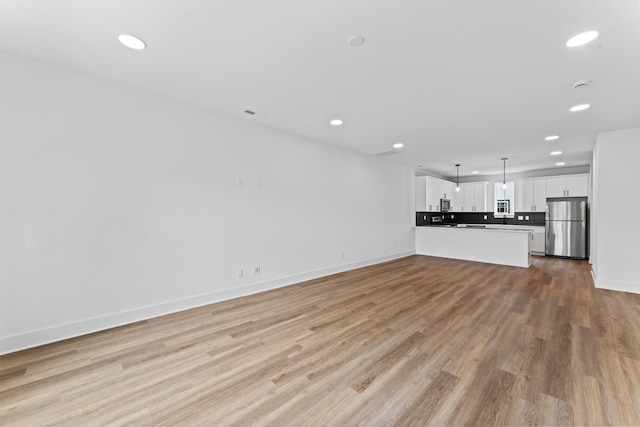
566,227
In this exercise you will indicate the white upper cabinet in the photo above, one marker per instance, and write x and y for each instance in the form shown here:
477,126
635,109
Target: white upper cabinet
472,197
421,194
480,196
435,190
531,195
457,199
578,186
429,191
556,187
568,186
449,190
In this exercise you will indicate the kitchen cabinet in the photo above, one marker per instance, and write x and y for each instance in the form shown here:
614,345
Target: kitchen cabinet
429,191
568,186
449,190
457,199
421,193
531,195
435,190
472,197
538,241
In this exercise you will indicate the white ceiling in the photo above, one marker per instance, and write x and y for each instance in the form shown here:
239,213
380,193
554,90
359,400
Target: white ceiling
457,81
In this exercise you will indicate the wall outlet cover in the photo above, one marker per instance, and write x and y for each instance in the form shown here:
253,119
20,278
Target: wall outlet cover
256,269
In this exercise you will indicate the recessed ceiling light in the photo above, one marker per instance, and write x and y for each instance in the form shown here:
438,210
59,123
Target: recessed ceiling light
398,145
335,122
475,172
356,40
551,138
131,42
580,107
582,38
560,164
556,153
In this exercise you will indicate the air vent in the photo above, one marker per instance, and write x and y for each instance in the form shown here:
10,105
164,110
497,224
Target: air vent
385,153
580,84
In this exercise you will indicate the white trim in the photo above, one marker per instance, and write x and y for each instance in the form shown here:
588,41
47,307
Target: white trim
82,327
616,285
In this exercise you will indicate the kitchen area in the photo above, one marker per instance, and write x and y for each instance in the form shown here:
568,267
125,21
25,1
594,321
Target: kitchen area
503,222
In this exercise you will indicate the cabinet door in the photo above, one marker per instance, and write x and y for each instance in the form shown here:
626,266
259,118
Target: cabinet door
438,192
457,201
469,197
430,191
421,194
539,192
449,190
577,186
524,195
556,187
435,191
538,243
480,197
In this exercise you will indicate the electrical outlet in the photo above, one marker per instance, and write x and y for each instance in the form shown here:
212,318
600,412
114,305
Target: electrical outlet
485,217
256,269
452,216
526,218
520,217
240,272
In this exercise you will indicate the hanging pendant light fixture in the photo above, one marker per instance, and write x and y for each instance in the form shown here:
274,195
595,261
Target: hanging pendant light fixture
504,173
457,177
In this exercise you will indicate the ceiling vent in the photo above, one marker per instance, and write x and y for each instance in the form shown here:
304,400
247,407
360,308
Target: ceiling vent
385,153
581,84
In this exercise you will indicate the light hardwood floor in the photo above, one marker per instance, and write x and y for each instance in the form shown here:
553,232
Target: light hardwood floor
416,341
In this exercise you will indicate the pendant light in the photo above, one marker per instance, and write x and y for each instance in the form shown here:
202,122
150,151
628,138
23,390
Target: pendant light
457,177
504,173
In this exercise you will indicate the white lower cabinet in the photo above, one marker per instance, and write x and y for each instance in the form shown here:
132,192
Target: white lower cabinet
538,241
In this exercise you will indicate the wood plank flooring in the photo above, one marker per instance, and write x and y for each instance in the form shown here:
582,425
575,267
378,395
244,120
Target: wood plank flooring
412,342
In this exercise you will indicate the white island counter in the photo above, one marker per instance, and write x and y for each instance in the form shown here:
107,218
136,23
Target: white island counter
491,245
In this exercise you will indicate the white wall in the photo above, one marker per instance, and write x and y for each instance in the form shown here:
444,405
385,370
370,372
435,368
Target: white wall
616,202
116,205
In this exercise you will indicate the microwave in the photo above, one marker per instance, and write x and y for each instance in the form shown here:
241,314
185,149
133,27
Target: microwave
445,205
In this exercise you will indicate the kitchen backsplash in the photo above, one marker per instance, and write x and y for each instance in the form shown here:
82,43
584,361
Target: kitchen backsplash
535,218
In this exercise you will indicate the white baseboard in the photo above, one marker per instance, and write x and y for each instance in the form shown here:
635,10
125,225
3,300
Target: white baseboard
616,285
86,326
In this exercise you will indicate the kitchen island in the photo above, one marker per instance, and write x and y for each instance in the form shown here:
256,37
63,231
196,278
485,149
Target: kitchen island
474,243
